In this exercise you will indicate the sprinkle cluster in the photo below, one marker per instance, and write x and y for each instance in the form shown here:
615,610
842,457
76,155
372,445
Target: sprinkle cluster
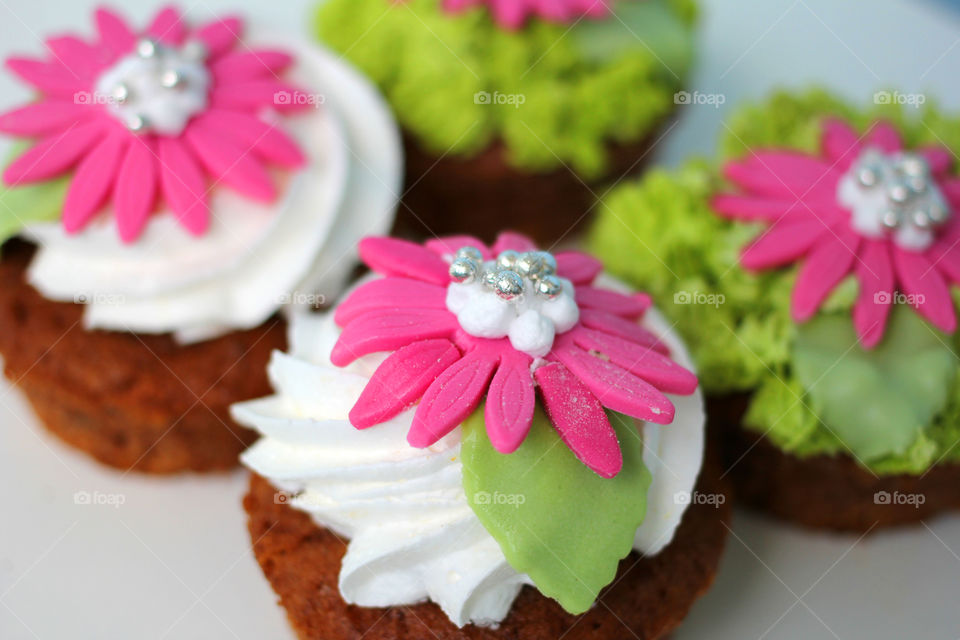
912,197
508,274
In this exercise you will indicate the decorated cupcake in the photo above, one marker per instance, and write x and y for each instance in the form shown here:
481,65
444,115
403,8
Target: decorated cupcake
812,270
516,111
177,186
483,442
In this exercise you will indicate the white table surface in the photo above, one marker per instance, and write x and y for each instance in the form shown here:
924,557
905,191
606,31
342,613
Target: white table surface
173,560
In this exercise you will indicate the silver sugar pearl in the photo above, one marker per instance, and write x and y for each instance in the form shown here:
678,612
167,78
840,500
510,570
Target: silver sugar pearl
530,264
920,219
471,253
549,287
194,50
464,270
891,219
120,93
898,191
171,79
489,278
938,213
918,184
868,175
509,284
914,166
137,123
508,259
549,262
146,48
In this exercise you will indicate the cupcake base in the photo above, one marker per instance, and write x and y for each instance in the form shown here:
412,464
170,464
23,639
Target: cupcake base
482,195
824,492
132,401
649,597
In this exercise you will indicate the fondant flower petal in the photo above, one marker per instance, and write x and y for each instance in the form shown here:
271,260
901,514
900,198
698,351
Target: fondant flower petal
511,400
247,65
184,185
449,245
167,26
939,159
578,267
885,137
267,140
392,256
945,256
656,368
615,387
136,189
769,208
389,292
401,379
782,173
925,286
256,94
622,328
229,163
452,397
510,241
829,262
619,304
508,13
220,35
52,78
840,142
579,419
782,243
872,308
76,55
44,118
93,180
390,330
54,155
115,34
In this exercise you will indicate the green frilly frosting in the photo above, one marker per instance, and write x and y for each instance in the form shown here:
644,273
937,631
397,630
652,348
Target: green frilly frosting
553,94
660,234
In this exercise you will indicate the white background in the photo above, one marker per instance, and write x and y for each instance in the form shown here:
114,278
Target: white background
173,561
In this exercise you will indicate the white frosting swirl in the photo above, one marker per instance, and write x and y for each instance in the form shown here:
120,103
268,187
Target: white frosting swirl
412,533
254,258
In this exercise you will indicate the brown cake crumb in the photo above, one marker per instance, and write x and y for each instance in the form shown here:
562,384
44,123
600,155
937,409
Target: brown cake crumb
825,492
649,597
132,401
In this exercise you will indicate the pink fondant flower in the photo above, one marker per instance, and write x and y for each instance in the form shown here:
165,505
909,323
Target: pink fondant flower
605,360
513,13
855,209
202,96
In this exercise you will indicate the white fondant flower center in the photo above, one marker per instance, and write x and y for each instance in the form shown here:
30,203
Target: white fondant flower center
518,296
156,88
893,193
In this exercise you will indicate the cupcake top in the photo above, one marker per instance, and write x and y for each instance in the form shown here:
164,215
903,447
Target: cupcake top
194,179
553,82
477,418
819,255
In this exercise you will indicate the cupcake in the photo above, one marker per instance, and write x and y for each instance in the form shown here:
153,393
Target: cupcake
515,111
177,187
483,443
812,270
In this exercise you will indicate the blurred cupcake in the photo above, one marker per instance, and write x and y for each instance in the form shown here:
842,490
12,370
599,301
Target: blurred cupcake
180,186
515,112
812,272
490,430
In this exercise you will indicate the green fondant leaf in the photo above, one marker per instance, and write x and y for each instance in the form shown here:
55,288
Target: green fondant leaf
876,401
555,520
38,202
